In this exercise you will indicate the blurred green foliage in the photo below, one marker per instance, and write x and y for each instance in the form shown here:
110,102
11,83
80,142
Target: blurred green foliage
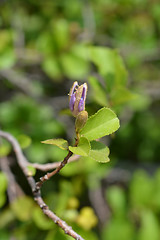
114,46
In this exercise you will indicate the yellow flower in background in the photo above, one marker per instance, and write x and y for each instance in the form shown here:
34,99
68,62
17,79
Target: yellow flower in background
87,218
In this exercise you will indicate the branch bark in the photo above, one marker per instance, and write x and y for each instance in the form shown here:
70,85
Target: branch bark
51,166
23,163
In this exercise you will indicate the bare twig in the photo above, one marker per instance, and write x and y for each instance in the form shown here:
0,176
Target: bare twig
23,163
49,175
19,80
14,190
50,166
99,204
88,20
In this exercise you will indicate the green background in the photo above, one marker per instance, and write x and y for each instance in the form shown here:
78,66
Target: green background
114,47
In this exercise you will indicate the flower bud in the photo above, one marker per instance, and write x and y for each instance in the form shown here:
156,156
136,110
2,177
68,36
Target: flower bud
77,97
81,120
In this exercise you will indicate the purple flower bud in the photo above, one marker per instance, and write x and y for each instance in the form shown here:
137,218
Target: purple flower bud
81,105
77,97
72,96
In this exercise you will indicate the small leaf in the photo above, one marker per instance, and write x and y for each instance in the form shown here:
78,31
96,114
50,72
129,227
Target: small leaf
83,147
98,92
59,142
23,208
4,150
122,95
24,141
31,171
74,66
149,226
99,152
51,68
103,122
41,221
109,63
116,199
87,218
7,59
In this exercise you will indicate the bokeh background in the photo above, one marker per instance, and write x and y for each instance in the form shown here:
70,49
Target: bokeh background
114,46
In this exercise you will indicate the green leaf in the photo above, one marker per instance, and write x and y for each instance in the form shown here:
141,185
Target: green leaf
141,188
5,235
7,59
36,153
31,171
24,141
122,95
83,147
149,226
74,66
59,142
115,196
51,68
23,208
99,152
8,217
98,92
4,149
61,33
41,220
103,122
118,228
109,63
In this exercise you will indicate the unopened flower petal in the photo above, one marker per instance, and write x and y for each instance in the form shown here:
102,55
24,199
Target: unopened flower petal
81,105
77,97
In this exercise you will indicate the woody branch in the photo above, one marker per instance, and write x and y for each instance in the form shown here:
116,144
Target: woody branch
23,163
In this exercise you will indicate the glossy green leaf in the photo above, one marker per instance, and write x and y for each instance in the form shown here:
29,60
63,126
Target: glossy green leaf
99,152
83,147
59,142
103,122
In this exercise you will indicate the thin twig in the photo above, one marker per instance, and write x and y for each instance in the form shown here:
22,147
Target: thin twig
23,163
51,174
50,166
14,190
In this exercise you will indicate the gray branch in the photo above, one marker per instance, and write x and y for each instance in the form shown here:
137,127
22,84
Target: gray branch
23,163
